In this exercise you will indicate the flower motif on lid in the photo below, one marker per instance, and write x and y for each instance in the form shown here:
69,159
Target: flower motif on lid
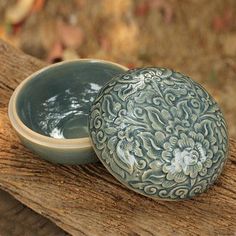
160,133
187,156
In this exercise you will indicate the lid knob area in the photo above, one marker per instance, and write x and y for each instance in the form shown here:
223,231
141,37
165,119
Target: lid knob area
159,133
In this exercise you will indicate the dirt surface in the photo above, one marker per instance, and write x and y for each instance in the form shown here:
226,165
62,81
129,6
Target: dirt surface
197,37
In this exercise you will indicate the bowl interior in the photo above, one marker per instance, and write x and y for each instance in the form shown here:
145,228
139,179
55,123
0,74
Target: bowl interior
56,102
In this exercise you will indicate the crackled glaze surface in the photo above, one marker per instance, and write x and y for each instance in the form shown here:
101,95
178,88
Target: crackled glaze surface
160,133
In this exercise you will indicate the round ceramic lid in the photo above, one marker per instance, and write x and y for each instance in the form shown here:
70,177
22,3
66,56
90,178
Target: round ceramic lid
159,133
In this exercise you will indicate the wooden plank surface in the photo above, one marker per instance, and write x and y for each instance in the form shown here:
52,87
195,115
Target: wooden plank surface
17,219
87,200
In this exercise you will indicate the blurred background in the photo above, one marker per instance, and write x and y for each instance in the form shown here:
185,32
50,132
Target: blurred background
196,37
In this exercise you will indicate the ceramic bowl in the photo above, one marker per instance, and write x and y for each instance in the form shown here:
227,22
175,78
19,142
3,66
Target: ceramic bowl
49,109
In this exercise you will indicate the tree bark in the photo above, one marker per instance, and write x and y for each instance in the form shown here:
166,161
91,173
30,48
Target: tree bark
87,200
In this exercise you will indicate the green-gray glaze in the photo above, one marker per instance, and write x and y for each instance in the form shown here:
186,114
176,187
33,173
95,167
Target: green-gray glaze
49,110
56,102
60,154
159,133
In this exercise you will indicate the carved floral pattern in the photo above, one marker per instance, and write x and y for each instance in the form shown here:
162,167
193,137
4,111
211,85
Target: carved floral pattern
159,133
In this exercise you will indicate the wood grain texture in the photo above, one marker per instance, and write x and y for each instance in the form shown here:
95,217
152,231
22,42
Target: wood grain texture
87,200
18,220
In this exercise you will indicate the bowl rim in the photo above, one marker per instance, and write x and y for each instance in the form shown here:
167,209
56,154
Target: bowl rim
38,138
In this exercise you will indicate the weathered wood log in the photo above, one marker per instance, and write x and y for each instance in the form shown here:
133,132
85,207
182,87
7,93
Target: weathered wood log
87,200
17,219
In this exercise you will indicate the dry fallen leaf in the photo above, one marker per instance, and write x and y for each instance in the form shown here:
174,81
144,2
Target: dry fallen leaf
71,36
38,5
56,52
165,6
142,9
223,22
19,11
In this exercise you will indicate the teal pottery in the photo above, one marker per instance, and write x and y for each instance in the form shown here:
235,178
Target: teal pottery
49,110
159,133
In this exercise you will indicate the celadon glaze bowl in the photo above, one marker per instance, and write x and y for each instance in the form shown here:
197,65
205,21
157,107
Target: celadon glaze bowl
49,109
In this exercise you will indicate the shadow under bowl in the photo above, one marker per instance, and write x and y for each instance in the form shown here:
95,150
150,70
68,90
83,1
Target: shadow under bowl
49,110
